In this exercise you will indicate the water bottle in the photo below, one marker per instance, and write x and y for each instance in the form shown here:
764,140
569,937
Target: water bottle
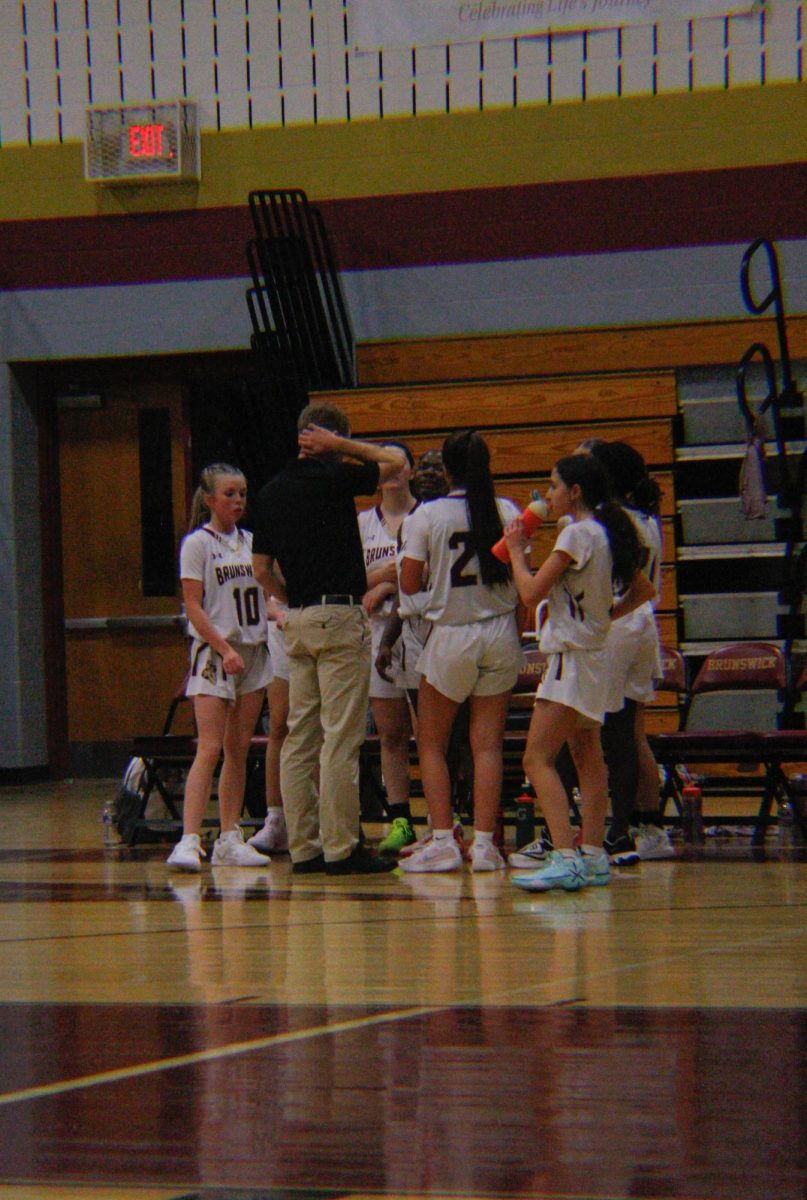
525,819
692,813
109,818
784,815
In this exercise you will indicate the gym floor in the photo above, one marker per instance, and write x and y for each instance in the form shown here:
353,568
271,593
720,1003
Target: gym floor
246,1034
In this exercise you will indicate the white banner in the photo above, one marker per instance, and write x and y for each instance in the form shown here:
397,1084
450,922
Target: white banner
384,24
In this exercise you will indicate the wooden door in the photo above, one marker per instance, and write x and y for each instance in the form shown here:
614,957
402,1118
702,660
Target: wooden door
125,650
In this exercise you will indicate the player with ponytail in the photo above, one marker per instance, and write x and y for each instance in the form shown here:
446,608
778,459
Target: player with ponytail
597,555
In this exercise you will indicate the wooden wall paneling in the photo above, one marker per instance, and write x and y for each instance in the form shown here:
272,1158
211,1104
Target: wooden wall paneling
517,402
661,720
534,451
643,348
669,588
520,490
667,628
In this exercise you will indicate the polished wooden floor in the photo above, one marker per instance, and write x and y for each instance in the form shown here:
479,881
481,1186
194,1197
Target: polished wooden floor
249,1034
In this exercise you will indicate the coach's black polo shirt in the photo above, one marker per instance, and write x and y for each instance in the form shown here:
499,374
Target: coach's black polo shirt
306,520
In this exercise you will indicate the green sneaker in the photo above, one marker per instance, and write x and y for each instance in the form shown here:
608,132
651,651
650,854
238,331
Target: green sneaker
402,834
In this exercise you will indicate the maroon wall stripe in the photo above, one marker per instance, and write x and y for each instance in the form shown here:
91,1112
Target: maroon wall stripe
474,225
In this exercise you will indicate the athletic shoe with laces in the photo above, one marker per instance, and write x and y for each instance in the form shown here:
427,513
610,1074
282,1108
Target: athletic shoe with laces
621,850
273,835
529,856
444,855
486,857
598,872
402,834
559,871
187,855
408,851
230,850
653,842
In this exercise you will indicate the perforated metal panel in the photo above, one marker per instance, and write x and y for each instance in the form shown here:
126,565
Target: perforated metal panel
133,143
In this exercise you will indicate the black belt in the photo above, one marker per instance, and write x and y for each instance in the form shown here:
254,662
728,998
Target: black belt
336,598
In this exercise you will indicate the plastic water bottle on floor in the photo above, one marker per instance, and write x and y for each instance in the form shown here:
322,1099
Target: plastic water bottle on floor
108,821
784,817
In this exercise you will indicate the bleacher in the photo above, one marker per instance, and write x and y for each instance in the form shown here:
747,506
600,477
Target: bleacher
510,388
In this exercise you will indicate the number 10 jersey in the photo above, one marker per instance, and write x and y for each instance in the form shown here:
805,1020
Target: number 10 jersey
232,597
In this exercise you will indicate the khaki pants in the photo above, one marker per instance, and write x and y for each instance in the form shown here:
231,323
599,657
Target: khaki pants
329,683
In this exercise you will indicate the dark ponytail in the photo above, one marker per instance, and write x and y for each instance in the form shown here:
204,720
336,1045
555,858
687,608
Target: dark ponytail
627,552
466,458
630,481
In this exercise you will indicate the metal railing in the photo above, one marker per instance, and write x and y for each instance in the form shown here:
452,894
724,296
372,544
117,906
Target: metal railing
780,402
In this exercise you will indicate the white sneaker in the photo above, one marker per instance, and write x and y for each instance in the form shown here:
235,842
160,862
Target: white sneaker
529,856
187,855
413,847
444,855
486,857
559,871
273,836
230,850
653,842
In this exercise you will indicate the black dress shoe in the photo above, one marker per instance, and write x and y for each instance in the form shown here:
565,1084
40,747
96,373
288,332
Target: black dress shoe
360,862
309,866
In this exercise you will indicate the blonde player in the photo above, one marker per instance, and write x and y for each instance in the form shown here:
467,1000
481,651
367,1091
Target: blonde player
230,665
575,588
472,650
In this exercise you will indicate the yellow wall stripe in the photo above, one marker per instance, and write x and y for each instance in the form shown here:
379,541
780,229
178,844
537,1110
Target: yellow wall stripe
595,140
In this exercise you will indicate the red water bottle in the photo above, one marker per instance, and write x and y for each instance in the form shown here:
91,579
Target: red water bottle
533,515
692,813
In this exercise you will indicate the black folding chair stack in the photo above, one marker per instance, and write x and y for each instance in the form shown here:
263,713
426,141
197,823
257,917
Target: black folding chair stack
301,326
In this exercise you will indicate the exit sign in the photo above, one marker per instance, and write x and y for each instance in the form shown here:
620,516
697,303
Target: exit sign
146,141
135,143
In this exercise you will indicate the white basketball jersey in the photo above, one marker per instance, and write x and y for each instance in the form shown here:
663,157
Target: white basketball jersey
438,533
232,597
650,538
577,613
380,547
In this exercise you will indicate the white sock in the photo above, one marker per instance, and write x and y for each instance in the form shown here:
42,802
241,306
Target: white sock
591,849
442,835
481,836
568,853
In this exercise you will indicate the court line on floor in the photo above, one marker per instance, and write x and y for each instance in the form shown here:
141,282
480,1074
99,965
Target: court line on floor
230,1050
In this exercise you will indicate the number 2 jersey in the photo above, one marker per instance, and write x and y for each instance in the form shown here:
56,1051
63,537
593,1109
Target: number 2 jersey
439,534
232,598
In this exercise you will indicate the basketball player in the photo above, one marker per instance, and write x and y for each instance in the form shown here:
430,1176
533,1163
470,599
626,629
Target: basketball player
635,663
472,650
230,665
380,528
575,589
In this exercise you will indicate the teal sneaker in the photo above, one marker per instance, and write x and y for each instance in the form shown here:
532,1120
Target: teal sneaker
597,870
402,834
559,872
